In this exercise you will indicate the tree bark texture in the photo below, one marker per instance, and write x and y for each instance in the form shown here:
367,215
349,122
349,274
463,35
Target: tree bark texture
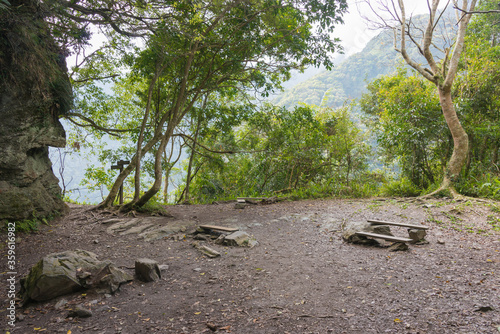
460,138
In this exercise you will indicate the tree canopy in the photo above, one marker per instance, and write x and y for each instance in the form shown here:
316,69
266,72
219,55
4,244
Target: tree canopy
195,51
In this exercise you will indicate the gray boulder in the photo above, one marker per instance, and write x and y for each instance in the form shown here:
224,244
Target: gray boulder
58,274
147,270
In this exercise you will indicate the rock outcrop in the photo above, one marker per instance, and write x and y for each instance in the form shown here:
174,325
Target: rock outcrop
58,274
34,92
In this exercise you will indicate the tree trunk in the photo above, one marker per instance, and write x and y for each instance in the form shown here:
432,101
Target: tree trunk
137,178
460,138
108,202
191,158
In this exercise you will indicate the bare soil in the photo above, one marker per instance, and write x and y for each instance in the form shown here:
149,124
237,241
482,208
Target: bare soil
301,278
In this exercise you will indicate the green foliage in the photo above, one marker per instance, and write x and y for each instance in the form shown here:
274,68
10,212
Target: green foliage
4,5
478,87
486,185
494,221
154,207
32,224
400,188
98,179
196,58
304,152
411,131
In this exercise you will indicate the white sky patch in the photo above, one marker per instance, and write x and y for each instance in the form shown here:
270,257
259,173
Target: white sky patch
355,33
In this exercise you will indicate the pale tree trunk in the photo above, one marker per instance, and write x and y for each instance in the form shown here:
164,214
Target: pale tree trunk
460,139
158,174
137,178
171,164
440,72
190,165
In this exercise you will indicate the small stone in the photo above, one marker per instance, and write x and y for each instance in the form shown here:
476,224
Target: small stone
441,241
252,243
220,239
211,326
240,205
208,251
96,241
484,309
398,246
201,236
163,267
79,312
417,235
197,269
147,270
60,304
238,238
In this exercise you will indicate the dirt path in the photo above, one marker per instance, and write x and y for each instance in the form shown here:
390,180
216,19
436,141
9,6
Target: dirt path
301,278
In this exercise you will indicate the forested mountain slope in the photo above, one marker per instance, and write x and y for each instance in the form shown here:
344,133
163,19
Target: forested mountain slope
348,80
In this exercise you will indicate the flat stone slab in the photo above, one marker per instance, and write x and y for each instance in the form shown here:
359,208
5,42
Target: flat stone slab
149,228
138,228
123,225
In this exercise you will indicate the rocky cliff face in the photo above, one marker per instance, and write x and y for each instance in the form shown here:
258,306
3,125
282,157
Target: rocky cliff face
34,90
27,184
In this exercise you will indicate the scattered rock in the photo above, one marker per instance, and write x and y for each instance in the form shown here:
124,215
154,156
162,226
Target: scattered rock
138,228
123,226
201,236
166,230
212,326
147,270
111,221
79,312
484,309
60,304
220,239
163,267
207,251
238,238
398,246
240,205
441,241
58,274
417,235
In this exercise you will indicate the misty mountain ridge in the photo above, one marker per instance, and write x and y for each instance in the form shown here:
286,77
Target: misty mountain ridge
349,79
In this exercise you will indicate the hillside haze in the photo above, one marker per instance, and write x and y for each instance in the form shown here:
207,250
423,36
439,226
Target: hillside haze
349,79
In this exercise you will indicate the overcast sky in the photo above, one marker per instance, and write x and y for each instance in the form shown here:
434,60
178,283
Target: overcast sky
355,33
